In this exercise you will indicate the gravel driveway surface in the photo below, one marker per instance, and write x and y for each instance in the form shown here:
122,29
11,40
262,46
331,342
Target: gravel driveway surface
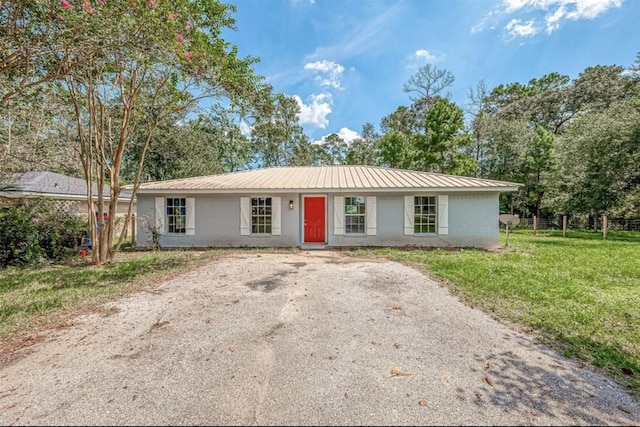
300,339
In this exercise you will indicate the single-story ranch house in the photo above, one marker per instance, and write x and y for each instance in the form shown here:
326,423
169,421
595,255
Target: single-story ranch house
323,206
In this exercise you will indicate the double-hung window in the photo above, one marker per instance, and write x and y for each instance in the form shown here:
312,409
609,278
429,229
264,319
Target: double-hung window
177,215
261,220
424,219
354,215
260,216
426,215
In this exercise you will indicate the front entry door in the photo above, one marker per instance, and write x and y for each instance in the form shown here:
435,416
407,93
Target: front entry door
314,219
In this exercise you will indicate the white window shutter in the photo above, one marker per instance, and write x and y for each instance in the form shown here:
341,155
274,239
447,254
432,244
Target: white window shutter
159,222
443,214
275,216
408,215
245,216
371,215
190,229
338,215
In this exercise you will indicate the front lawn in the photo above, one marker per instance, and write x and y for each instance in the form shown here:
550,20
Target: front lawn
31,297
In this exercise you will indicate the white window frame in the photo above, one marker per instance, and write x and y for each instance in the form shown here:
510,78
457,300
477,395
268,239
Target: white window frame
176,222
442,216
163,218
361,202
432,212
262,209
247,216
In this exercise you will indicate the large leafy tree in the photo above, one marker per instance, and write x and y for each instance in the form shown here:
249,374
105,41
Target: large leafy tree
546,101
599,162
277,137
128,67
334,150
208,144
538,166
34,51
570,143
438,148
363,150
395,150
35,134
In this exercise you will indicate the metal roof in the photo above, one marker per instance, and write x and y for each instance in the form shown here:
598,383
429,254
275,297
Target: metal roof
326,178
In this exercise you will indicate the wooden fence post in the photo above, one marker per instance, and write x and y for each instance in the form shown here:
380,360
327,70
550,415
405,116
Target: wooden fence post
564,226
604,227
535,225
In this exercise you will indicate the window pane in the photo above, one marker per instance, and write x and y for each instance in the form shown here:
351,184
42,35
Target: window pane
176,214
354,219
261,215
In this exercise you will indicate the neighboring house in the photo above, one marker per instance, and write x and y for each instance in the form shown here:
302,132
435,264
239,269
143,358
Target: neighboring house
327,206
66,194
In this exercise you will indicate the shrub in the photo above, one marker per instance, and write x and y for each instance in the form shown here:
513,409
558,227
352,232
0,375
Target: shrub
19,243
29,236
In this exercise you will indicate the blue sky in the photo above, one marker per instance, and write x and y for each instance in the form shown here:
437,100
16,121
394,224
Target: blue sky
347,60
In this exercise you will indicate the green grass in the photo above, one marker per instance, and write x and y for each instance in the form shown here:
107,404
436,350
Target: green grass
33,297
581,293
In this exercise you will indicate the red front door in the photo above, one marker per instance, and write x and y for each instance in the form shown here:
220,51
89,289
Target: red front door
314,219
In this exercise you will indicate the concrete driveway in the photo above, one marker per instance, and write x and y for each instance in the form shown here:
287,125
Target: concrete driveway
300,339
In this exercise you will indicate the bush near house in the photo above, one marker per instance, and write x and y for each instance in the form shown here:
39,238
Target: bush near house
29,236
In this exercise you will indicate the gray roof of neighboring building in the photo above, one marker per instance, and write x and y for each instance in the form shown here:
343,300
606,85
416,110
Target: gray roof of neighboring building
327,178
51,184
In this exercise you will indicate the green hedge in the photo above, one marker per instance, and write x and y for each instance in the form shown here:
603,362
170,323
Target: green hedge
31,237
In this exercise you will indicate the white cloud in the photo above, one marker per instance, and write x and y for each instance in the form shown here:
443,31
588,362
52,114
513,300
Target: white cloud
553,20
316,112
347,135
427,56
513,5
553,12
331,72
515,28
589,9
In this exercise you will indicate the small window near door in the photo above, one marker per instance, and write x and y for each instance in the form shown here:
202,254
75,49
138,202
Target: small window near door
261,215
424,220
354,215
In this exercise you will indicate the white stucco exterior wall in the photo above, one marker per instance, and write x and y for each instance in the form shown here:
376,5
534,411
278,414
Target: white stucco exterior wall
472,222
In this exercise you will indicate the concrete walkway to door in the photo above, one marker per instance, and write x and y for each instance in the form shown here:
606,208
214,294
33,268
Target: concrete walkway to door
300,339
